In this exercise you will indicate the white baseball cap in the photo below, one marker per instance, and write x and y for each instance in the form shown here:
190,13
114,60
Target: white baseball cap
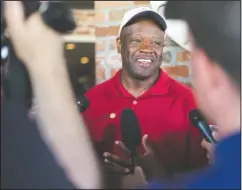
174,25
142,12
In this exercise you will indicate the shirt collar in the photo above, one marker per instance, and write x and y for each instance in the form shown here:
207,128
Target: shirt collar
161,86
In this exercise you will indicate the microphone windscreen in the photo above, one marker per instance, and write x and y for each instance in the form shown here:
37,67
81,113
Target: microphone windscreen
130,129
83,103
196,116
198,120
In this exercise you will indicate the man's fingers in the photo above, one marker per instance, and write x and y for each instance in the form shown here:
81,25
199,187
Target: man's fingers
113,168
215,135
122,147
205,144
215,132
117,160
146,144
14,15
209,148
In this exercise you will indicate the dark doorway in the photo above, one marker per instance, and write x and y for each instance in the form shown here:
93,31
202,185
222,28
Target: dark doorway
81,66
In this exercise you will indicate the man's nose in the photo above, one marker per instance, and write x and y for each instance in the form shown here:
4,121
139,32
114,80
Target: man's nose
146,47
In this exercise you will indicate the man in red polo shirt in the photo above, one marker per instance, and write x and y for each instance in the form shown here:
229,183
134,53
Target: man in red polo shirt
162,105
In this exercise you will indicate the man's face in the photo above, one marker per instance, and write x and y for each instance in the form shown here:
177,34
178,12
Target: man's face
198,80
141,47
208,83
216,94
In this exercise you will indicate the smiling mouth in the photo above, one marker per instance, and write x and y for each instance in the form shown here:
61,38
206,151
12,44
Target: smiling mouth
144,62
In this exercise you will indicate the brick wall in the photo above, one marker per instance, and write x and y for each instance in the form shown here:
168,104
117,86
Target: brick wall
85,20
108,15
85,30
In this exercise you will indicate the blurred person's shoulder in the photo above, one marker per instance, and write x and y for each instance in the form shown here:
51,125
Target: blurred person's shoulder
224,173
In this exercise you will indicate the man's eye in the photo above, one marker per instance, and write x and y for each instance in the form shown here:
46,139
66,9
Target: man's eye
157,43
135,41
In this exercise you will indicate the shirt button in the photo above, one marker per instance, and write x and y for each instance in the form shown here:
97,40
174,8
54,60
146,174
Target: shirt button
135,102
112,115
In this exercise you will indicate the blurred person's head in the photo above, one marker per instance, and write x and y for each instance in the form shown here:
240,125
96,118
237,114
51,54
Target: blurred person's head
141,42
216,65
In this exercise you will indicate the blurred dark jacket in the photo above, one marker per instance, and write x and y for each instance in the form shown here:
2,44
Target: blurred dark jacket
26,161
225,173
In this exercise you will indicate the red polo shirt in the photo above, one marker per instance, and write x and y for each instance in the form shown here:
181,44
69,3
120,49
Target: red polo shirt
162,113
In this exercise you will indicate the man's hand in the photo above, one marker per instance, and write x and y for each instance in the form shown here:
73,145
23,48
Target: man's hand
115,164
41,50
32,38
210,147
135,180
148,163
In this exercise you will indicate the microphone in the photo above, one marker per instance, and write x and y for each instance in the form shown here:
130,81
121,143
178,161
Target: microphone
131,133
83,103
198,121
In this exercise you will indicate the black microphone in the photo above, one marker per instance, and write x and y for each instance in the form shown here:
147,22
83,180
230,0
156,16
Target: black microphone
83,103
197,119
131,133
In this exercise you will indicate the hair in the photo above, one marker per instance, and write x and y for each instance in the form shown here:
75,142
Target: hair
215,26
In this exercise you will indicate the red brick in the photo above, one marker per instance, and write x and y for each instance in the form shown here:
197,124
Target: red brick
107,31
90,20
91,13
91,26
100,45
177,71
145,3
99,59
117,15
112,44
100,70
100,75
183,56
113,58
84,31
84,17
80,16
100,17
93,31
113,72
107,4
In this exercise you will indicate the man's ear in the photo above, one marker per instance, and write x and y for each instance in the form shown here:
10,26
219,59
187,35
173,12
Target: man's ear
118,43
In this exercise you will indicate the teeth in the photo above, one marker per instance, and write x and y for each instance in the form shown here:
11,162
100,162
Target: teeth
144,60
